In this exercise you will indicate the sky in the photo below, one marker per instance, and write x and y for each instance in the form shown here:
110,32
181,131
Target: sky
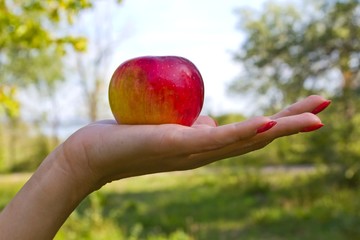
204,31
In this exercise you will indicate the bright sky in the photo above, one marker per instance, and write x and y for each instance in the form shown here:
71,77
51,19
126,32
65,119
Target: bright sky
204,31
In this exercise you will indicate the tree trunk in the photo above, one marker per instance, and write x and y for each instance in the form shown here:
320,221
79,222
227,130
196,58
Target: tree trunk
349,110
93,100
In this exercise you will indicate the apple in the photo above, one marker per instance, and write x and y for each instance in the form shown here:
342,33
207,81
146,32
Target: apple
156,90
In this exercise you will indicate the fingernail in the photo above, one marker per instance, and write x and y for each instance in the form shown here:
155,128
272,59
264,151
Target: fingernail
266,126
321,107
312,128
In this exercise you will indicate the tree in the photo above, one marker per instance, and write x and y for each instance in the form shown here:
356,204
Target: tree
31,51
93,65
32,47
291,54
27,36
295,50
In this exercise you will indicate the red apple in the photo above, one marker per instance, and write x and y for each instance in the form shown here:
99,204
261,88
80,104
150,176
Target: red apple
156,90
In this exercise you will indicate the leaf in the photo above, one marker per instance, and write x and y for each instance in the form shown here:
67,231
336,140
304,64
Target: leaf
9,105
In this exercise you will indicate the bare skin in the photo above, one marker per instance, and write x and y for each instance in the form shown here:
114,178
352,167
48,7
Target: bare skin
105,151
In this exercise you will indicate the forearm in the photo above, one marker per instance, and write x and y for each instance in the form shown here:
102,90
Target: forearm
44,203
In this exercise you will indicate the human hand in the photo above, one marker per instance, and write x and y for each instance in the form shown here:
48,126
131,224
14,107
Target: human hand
105,151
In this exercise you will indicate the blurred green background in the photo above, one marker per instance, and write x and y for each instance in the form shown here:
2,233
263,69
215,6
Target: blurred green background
300,187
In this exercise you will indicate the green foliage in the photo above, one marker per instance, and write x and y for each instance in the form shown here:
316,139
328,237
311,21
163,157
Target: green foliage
246,204
31,44
26,24
229,118
294,50
214,203
9,186
26,30
23,147
9,105
33,152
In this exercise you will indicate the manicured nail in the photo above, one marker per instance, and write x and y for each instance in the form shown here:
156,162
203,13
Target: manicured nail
312,128
266,126
321,107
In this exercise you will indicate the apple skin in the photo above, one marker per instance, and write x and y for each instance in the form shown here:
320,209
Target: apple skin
156,90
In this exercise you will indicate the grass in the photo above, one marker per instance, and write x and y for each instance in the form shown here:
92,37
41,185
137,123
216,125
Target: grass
214,204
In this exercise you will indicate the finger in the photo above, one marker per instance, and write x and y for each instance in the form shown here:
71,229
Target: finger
205,121
309,104
293,124
202,159
285,126
194,140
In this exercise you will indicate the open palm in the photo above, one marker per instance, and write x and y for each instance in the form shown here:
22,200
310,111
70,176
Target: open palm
110,151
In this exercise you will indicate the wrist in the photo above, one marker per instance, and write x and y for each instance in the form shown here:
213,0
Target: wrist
45,201
84,161
76,172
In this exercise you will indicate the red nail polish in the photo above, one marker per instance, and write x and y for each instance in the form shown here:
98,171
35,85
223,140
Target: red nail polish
321,107
312,128
266,126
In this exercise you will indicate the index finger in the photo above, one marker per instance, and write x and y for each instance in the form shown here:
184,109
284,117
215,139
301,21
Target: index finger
195,140
309,104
